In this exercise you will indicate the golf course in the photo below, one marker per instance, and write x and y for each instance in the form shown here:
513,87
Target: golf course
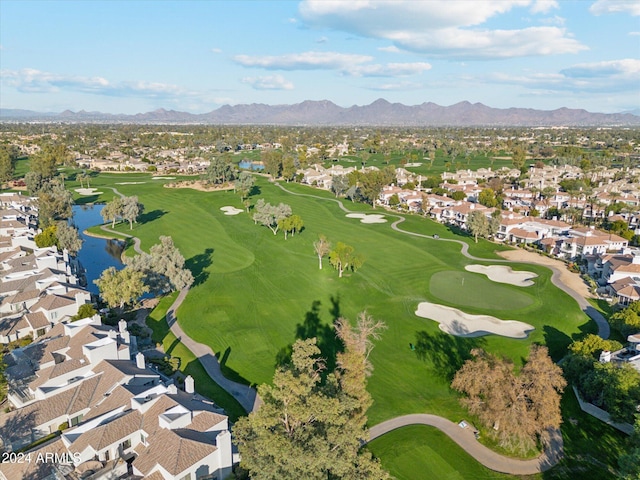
255,293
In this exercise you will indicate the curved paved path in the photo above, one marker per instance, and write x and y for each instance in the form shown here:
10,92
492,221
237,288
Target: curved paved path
465,438
601,322
244,394
249,399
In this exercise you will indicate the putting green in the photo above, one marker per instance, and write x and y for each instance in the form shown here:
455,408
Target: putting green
469,290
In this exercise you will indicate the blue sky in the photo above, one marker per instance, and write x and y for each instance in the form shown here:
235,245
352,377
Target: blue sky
136,56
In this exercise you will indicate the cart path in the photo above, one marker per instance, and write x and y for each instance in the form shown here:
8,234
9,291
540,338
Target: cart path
465,438
587,308
244,394
247,396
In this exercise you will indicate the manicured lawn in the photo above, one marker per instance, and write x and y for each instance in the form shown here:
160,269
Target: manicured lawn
421,452
189,364
255,293
467,289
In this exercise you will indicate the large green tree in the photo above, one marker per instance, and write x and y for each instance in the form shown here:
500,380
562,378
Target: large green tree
322,247
120,287
271,216
131,210
54,202
163,268
630,461
220,170
344,257
311,425
68,238
244,184
8,156
112,211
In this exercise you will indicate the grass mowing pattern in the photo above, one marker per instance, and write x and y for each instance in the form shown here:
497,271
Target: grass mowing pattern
471,290
420,451
189,364
254,290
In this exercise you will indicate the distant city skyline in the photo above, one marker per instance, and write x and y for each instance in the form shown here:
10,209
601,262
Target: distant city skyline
195,56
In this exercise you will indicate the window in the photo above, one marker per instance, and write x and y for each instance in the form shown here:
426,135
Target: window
126,444
40,332
106,456
186,477
143,439
76,420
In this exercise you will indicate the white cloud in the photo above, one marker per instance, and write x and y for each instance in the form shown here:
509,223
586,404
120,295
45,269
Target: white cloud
390,49
346,64
446,28
216,50
30,80
389,70
625,68
303,61
600,7
272,82
544,6
399,86
598,77
322,40
634,34
555,20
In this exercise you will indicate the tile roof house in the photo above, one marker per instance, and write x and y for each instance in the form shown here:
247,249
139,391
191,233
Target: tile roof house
121,417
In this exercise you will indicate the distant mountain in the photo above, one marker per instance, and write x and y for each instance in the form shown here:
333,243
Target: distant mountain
321,113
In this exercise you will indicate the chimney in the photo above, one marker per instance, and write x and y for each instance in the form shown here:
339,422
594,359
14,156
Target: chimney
189,386
605,356
122,325
140,361
172,389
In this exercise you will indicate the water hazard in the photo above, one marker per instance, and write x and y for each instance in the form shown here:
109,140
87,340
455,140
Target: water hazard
96,254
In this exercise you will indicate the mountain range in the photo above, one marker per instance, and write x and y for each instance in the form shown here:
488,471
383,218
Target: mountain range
326,113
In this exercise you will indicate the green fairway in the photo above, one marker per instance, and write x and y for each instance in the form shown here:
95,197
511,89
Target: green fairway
421,452
255,293
472,290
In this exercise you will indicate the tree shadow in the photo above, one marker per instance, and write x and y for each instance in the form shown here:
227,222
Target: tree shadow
86,200
173,345
447,353
227,371
147,217
312,327
255,190
17,429
556,341
198,264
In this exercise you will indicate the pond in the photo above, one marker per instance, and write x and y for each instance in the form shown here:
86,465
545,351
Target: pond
96,254
247,165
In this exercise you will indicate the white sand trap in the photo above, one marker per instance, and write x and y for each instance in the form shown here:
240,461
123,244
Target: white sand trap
504,274
231,210
130,183
456,322
413,164
88,191
368,218
163,178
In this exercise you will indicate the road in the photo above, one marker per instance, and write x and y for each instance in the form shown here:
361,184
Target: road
465,438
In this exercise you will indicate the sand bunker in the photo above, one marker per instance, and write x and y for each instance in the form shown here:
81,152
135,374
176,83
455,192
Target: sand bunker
130,183
456,322
163,178
368,218
88,191
413,164
504,274
229,210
